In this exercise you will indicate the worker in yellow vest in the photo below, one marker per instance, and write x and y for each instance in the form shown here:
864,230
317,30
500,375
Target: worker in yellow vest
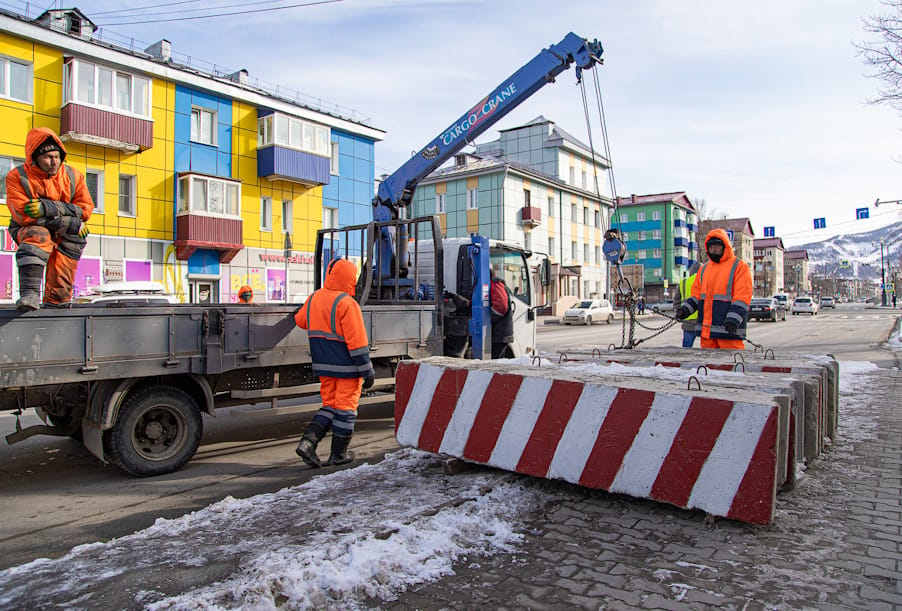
690,324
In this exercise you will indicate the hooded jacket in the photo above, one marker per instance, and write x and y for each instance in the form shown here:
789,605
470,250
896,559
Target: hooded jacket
66,189
722,292
334,323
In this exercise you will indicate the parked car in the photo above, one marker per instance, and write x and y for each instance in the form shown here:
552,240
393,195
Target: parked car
662,306
766,308
828,302
804,305
783,300
588,311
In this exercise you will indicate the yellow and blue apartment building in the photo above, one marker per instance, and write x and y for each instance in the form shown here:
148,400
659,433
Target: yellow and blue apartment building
200,182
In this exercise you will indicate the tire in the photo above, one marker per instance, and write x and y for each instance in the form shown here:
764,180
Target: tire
773,317
157,431
588,320
610,318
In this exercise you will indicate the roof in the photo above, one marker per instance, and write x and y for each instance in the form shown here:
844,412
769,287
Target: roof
800,255
769,243
557,133
678,198
738,225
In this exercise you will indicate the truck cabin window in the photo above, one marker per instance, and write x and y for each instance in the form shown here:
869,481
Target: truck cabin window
514,270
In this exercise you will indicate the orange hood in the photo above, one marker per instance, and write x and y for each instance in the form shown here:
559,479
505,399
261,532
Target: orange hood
341,275
34,139
728,253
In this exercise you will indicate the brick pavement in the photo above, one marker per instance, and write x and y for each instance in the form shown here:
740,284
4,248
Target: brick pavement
836,542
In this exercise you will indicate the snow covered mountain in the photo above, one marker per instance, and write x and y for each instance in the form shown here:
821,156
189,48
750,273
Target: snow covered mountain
860,250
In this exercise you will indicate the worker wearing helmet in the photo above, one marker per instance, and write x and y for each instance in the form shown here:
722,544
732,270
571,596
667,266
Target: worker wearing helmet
49,204
721,295
690,332
245,294
341,357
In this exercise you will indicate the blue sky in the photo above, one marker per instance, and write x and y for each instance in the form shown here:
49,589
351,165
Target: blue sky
757,108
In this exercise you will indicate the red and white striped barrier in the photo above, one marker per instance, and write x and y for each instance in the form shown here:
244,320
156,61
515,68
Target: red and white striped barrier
708,451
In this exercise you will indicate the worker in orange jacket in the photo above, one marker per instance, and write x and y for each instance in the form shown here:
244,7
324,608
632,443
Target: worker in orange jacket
245,294
50,205
721,295
341,357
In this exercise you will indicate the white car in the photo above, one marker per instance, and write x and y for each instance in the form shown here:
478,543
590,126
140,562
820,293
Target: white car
588,311
804,305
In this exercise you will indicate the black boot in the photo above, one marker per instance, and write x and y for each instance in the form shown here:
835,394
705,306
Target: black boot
340,454
307,447
30,278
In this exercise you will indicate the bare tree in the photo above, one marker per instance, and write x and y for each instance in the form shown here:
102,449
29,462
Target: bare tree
885,55
705,212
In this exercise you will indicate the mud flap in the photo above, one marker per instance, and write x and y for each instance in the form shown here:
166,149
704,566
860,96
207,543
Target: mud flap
92,438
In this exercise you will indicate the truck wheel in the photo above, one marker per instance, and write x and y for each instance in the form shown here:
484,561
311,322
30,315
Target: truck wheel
158,431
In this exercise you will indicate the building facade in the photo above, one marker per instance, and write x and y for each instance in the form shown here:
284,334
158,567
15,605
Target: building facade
661,236
201,181
795,272
538,187
742,237
768,269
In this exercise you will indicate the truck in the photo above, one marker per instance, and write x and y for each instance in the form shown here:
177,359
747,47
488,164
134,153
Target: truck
132,378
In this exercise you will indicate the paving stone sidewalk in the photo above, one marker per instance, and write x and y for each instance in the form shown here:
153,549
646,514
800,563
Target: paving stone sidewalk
835,544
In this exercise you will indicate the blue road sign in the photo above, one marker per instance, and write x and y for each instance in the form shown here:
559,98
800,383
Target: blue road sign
861,213
770,232
730,234
820,223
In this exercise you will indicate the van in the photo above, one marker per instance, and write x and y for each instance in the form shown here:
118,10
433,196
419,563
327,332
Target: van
138,291
783,300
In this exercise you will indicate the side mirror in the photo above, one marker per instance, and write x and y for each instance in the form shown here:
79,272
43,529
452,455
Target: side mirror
545,272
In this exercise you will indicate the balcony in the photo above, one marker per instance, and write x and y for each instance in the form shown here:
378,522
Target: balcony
531,216
280,163
193,231
89,125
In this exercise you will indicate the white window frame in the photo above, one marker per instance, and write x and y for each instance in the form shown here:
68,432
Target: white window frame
624,217
98,201
6,64
300,135
473,199
656,234
598,254
76,68
550,206
330,218
657,253
199,125
598,218
572,213
333,159
527,197
287,215
641,254
586,253
7,164
640,216
193,187
657,273
573,250
585,180
440,203
585,215
132,182
572,175
656,215
642,235
551,245
265,213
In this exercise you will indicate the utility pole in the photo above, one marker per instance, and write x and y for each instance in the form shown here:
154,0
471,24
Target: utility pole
882,277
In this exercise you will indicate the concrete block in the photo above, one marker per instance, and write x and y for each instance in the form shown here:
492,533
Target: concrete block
714,449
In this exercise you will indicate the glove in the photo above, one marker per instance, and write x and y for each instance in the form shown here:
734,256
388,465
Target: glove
35,208
730,327
683,312
369,379
83,232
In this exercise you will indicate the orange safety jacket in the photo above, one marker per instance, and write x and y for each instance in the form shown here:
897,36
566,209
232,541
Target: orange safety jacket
722,293
335,328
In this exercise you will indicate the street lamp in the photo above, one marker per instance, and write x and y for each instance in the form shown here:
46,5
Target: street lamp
882,277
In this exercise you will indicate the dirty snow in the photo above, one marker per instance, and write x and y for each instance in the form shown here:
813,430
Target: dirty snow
372,531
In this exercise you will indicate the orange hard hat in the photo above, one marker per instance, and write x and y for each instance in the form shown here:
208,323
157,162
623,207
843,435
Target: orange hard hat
245,294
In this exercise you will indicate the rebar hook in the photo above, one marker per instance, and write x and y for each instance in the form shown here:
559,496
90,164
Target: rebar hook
700,367
771,351
689,383
737,356
736,367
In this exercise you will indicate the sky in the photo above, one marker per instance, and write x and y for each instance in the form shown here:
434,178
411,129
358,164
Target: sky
325,544
759,109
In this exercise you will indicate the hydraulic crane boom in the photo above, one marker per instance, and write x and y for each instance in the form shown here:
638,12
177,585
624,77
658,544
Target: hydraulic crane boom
397,190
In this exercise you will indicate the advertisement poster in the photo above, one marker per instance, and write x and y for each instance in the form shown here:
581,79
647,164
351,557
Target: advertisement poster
138,270
275,284
87,276
7,269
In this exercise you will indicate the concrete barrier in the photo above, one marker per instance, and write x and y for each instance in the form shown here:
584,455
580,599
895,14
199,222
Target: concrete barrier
715,449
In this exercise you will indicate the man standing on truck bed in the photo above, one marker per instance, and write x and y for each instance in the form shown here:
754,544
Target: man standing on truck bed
341,356
721,295
49,209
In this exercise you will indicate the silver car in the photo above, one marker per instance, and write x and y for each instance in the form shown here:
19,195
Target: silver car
588,311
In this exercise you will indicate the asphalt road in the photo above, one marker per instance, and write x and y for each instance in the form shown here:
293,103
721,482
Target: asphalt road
55,495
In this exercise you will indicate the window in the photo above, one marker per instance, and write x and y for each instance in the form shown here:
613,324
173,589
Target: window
586,253
473,199
573,251
640,216
265,214
585,182
657,254
657,273
6,164
656,234
293,133
598,218
203,126
550,206
439,203
94,180
624,218
656,215
206,195
330,218
641,254
526,197
642,235
15,79
573,212
333,162
287,215
88,83
572,175
127,195
551,246
585,216
598,254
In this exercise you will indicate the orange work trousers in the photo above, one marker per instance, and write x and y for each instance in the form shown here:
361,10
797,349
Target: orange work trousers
340,393
723,344
60,275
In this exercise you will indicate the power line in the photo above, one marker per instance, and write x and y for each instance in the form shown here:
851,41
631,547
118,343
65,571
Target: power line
261,10
144,8
197,10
